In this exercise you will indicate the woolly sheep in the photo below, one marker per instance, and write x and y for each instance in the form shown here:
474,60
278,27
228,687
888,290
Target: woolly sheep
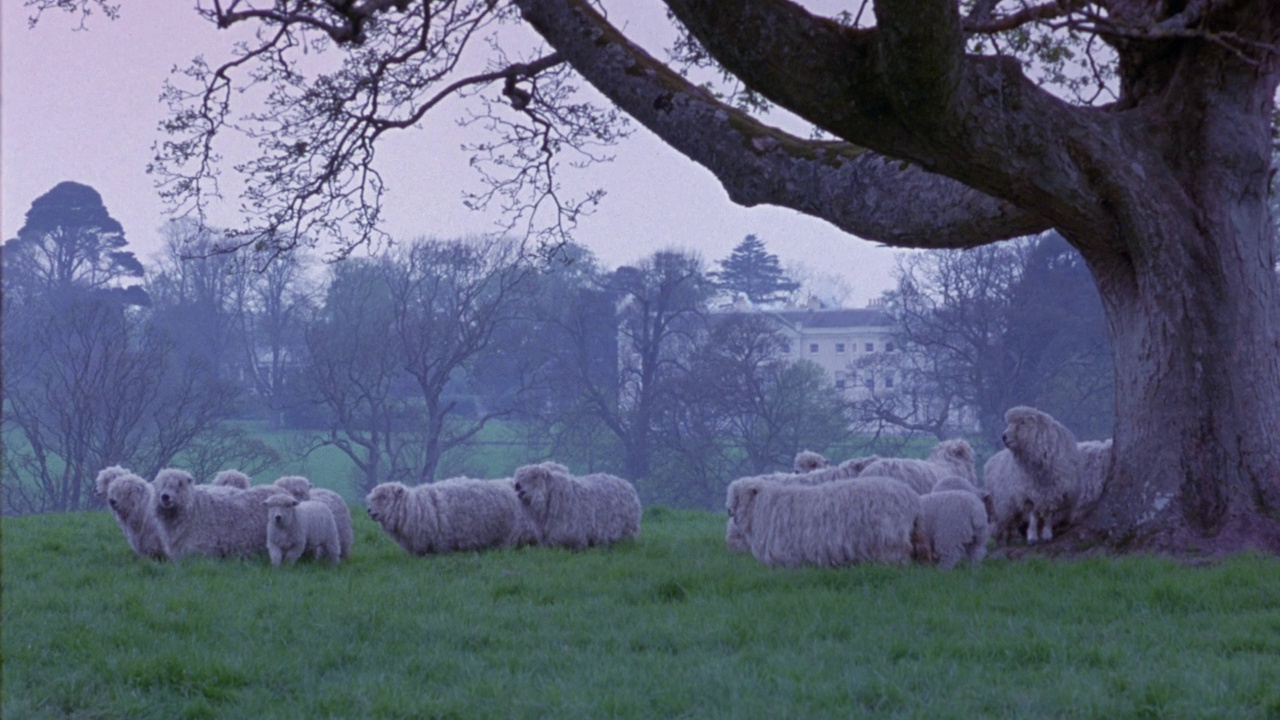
1034,481
808,461
949,457
209,520
459,514
1095,467
954,482
955,522
129,498
105,477
302,489
577,511
866,519
846,470
296,527
232,479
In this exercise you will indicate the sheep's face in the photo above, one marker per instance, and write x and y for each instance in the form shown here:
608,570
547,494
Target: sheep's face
280,516
739,504
172,490
531,483
127,494
382,499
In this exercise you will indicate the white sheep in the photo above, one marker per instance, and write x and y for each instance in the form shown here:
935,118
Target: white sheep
577,511
302,489
232,479
955,482
459,514
105,476
955,521
866,519
129,498
296,527
1095,468
949,457
208,520
1034,482
808,461
847,470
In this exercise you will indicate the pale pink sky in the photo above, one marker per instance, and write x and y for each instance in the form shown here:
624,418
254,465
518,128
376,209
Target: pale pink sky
84,106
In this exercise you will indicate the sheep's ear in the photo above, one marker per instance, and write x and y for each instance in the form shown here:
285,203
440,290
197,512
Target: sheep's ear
399,490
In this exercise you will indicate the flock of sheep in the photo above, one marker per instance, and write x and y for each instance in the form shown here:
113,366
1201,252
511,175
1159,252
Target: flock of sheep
173,516
871,509
894,510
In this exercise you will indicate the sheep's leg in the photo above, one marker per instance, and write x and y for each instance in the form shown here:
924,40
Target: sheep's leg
1033,528
274,552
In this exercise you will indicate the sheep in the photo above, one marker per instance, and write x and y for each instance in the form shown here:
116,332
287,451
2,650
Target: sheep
955,522
129,498
208,520
459,514
296,527
577,512
955,482
105,477
846,470
949,457
1095,468
1035,480
232,479
808,461
302,489
865,519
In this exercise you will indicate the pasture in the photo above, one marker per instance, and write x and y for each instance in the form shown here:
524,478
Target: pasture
671,625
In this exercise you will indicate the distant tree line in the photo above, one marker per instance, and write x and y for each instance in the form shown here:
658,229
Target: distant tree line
401,361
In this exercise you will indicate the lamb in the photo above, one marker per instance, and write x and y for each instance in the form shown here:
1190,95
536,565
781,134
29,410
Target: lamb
949,457
955,522
866,519
296,527
577,512
129,497
459,514
208,520
1035,481
302,489
232,479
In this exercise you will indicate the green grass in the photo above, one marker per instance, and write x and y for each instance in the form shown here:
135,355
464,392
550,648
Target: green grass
667,626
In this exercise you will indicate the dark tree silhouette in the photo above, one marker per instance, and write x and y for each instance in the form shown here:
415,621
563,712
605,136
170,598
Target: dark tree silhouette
753,272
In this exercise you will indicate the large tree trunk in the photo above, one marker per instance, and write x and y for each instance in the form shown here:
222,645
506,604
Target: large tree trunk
1192,310
1197,366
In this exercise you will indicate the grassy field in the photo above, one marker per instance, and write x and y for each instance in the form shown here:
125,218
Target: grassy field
667,626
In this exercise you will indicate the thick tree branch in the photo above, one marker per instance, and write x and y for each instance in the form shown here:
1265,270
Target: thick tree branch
857,190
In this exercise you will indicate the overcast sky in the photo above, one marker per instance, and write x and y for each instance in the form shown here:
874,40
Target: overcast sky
83,106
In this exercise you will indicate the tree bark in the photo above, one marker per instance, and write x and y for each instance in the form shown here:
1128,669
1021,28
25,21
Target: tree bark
1164,194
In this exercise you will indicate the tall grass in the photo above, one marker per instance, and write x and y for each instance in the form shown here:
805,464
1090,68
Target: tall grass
670,625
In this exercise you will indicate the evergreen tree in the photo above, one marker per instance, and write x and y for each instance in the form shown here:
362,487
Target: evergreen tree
751,271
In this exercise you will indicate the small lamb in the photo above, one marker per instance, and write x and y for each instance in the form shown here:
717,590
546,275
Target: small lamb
296,527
